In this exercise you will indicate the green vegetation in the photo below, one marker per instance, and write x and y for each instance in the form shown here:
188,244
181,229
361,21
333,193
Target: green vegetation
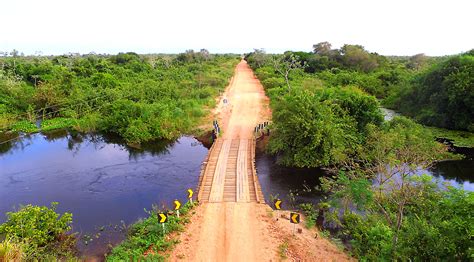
139,97
458,137
24,126
387,211
322,120
147,236
283,249
325,114
37,233
441,96
321,127
435,91
413,219
433,228
323,101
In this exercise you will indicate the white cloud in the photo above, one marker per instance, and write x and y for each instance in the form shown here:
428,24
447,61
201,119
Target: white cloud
403,27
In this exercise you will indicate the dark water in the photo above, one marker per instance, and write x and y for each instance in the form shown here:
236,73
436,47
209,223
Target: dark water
106,184
99,179
295,186
459,173
292,185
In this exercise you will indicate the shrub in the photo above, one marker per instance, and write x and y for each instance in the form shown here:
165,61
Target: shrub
40,231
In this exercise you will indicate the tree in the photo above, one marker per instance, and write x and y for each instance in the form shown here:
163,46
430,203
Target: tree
442,95
417,61
14,53
204,54
187,56
257,58
308,132
394,154
382,182
35,77
323,48
285,64
355,56
321,127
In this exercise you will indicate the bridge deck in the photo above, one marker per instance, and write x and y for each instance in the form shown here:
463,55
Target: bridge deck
229,174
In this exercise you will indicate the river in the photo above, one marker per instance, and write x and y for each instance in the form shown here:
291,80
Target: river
298,185
103,182
107,184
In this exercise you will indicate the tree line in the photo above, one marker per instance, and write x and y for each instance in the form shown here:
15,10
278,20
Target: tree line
139,97
326,114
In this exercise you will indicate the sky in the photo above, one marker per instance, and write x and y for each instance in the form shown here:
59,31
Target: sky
398,27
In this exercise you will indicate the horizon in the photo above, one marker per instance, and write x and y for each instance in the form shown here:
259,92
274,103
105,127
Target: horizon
401,28
22,54
41,54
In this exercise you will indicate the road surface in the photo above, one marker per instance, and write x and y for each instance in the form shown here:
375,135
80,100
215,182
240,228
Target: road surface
231,225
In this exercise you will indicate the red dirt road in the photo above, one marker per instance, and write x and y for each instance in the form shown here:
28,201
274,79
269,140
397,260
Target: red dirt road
241,231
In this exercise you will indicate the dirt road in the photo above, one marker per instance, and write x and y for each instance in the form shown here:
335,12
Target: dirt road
246,230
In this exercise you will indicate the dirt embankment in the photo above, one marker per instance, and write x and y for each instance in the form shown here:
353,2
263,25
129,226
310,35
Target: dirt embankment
250,232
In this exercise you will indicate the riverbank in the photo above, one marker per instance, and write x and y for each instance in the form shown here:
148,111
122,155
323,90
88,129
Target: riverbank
150,240
101,180
139,97
457,139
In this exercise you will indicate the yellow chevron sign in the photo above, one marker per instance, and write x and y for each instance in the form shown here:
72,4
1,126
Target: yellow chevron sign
190,193
162,218
177,205
294,218
278,204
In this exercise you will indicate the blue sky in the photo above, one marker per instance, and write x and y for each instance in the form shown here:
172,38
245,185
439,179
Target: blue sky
402,27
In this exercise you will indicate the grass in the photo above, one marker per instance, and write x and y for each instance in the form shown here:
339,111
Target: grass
57,123
11,251
24,126
282,249
459,138
146,240
310,214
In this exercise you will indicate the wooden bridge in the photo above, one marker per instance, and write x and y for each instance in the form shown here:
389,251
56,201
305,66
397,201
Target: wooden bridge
228,174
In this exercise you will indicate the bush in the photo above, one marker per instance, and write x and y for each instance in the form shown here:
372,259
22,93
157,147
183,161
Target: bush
88,123
321,128
437,227
310,133
40,231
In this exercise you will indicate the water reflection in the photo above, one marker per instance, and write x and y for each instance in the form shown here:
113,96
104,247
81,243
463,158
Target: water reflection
293,185
458,173
98,178
299,185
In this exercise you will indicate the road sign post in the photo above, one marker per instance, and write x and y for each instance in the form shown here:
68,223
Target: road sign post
162,219
177,205
278,204
294,219
190,195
